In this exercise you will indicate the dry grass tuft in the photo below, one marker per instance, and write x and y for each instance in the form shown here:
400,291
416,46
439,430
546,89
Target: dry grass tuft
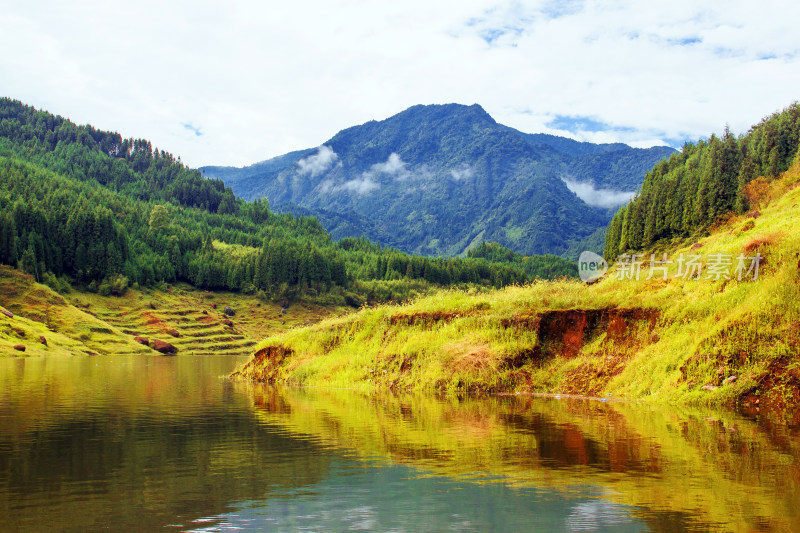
467,356
761,243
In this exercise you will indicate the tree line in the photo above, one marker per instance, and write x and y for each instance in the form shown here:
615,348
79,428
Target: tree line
545,266
703,182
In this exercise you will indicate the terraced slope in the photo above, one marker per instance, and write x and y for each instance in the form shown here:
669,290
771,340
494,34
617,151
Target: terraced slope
195,322
192,321
43,322
190,331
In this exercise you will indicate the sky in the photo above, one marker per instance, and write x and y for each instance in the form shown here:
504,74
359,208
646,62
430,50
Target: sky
233,83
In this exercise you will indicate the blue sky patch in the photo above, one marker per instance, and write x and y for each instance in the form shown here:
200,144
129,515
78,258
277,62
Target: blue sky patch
686,41
556,9
492,34
194,129
576,123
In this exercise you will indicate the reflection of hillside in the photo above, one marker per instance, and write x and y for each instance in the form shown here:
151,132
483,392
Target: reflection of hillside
85,450
38,392
566,444
677,466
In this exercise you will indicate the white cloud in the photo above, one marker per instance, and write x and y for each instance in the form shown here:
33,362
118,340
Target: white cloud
394,166
363,185
316,164
253,77
462,172
603,198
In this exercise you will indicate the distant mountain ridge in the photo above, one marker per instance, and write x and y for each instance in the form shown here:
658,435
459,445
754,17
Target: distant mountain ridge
440,179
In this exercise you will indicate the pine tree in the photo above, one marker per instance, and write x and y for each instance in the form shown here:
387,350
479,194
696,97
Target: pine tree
29,262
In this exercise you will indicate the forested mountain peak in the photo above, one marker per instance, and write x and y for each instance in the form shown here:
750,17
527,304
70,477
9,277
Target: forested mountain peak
437,115
418,134
440,179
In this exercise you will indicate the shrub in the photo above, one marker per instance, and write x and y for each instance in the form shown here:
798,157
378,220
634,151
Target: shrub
116,285
757,192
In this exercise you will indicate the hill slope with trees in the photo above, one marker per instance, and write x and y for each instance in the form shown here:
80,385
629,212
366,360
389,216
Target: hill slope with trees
706,182
93,208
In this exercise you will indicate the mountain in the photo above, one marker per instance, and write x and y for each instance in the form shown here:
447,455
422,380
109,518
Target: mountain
440,179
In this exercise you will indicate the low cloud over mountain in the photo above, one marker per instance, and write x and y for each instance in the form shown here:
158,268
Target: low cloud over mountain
438,179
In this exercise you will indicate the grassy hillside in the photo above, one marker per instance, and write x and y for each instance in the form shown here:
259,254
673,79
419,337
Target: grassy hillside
705,340
91,324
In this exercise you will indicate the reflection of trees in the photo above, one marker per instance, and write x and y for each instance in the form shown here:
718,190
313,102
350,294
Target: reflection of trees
678,466
140,458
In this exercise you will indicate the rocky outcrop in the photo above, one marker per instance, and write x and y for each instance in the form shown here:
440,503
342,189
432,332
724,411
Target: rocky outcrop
164,347
142,340
564,332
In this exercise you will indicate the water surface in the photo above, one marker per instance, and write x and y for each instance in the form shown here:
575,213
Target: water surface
155,443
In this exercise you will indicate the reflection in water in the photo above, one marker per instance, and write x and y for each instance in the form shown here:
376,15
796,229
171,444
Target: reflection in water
678,468
143,443
398,498
134,444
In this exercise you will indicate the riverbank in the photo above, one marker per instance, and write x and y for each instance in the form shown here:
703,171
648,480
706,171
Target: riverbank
731,335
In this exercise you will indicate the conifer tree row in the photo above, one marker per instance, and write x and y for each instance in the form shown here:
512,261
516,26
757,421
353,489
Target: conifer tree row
703,182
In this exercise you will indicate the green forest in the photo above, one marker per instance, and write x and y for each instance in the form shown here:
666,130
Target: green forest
88,207
705,182
547,266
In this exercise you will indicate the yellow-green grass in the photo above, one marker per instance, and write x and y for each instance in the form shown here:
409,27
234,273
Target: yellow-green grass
234,250
41,312
679,335
88,323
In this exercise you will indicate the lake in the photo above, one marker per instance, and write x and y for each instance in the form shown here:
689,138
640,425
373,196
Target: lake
168,444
